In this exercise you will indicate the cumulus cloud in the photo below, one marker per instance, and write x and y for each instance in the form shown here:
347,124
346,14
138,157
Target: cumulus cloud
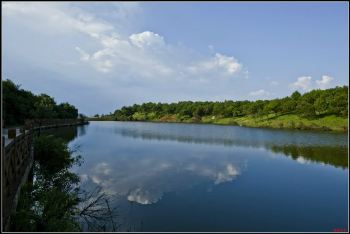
259,93
220,64
144,54
147,55
230,64
146,38
324,82
78,44
303,83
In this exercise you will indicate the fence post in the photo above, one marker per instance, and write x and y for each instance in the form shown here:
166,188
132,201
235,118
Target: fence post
3,180
11,133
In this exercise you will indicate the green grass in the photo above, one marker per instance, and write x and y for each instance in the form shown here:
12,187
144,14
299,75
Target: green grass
286,121
289,121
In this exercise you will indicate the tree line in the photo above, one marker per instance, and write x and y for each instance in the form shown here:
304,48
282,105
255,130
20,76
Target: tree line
19,104
313,104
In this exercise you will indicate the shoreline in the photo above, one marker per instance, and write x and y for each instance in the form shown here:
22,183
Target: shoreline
302,128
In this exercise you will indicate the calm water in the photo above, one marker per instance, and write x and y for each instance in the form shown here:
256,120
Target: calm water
187,177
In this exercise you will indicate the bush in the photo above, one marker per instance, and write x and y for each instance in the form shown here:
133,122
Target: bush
50,203
53,154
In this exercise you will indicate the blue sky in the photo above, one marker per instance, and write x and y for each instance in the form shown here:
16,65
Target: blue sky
101,56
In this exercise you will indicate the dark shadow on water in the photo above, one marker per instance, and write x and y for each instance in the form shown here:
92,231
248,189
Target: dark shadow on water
335,156
67,133
328,154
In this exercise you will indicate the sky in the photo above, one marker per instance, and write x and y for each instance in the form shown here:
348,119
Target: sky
100,56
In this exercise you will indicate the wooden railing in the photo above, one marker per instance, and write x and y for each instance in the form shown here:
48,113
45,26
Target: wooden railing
17,159
35,123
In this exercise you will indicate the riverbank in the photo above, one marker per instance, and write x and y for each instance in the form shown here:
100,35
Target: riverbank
287,121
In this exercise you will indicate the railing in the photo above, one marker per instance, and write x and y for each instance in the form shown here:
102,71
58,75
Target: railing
17,160
17,157
32,124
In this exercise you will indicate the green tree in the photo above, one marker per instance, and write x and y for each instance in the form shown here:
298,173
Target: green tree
306,109
45,107
198,112
295,95
18,104
310,104
321,105
288,105
272,107
66,111
50,203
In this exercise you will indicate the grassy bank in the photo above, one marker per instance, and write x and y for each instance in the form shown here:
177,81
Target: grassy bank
288,121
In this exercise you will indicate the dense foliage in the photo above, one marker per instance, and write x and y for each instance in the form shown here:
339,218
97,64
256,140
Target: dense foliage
20,104
54,200
49,203
313,104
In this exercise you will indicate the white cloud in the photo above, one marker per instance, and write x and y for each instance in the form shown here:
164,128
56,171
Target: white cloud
229,63
305,83
146,38
100,59
324,82
220,64
302,82
84,45
127,14
147,55
144,54
56,18
260,92
83,55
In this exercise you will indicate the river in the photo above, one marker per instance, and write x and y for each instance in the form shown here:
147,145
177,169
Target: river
196,177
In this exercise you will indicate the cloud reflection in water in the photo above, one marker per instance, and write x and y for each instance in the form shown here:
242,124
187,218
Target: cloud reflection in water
144,175
146,180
